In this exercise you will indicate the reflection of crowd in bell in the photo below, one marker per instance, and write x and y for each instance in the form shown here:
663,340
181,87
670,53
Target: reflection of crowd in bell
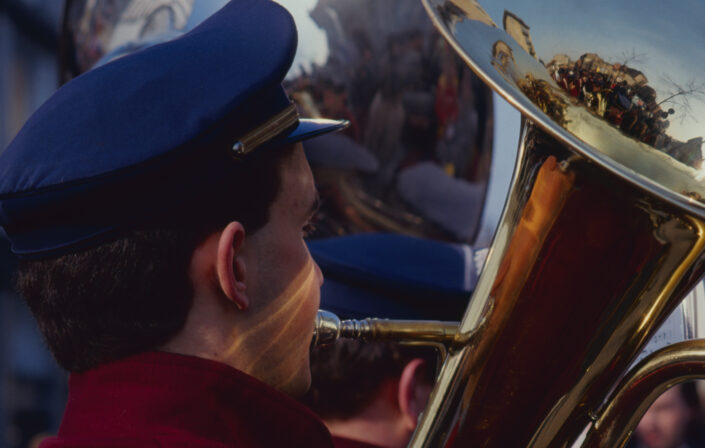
409,99
542,94
622,96
416,95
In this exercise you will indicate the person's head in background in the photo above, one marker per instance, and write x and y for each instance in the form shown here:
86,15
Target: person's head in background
371,392
672,421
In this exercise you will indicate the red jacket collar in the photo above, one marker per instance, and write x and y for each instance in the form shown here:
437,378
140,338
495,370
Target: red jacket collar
160,397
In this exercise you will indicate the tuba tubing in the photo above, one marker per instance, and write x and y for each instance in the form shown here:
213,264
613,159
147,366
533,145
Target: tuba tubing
663,369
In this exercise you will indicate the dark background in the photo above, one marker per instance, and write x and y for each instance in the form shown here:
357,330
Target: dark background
32,387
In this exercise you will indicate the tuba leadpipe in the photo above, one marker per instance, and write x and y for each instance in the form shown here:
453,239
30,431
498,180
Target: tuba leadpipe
329,328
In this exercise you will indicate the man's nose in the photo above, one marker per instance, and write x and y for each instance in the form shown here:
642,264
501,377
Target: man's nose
319,274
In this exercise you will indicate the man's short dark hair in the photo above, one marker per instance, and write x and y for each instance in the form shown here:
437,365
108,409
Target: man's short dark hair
132,293
346,376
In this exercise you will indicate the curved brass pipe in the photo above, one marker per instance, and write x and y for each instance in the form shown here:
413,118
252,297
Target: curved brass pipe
658,372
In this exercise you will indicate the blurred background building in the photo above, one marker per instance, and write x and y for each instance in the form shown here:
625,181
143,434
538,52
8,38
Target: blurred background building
31,386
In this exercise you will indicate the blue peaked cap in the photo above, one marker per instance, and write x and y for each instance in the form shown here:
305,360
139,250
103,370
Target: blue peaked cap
394,276
145,130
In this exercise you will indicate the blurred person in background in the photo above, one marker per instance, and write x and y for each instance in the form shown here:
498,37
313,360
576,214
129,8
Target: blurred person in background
370,394
674,420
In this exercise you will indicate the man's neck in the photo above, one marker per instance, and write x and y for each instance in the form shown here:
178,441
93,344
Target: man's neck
376,425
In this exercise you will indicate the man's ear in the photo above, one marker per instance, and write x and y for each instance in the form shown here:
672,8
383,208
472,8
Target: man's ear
231,267
413,393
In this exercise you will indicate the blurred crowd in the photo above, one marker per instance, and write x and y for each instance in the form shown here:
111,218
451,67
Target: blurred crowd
414,101
632,108
412,105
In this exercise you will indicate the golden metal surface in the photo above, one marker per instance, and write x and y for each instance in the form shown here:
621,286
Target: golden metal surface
266,131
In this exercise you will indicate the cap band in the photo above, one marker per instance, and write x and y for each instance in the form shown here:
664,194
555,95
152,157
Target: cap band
266,131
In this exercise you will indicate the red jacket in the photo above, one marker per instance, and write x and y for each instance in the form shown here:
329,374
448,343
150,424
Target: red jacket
340,442
166,400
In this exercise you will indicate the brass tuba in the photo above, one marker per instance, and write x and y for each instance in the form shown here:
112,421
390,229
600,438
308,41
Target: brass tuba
602,234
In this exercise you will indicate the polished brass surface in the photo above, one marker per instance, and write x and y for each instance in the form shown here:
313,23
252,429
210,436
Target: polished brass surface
675,364
326,329
329,328
266,131
602,234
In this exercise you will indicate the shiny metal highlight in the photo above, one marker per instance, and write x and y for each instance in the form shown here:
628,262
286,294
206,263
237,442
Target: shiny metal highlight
329,328
266,131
